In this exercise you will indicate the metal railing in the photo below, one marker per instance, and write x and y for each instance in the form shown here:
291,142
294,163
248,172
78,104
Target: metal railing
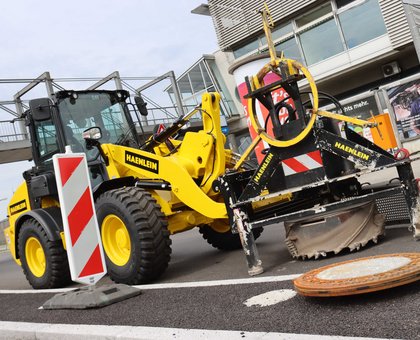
3,224
10,131
156,117
14,130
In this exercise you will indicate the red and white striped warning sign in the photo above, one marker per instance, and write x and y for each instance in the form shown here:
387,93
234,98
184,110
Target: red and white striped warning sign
302,163
81,231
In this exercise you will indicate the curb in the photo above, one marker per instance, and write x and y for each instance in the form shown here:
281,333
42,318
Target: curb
43,331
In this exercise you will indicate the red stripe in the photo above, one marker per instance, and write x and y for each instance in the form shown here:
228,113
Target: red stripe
316,156
93,265
67,166
80,216
295,165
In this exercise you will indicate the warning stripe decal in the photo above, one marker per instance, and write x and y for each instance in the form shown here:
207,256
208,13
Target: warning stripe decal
70,166
80,216
93,265
316,156
302,163
296,165
86,244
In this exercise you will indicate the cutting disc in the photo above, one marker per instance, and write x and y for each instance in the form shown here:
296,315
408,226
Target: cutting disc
368,274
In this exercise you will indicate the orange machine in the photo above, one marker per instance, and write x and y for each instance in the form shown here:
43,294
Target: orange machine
383,136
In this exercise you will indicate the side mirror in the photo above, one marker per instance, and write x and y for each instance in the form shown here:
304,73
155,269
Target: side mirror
41,109
141,105
93,133
92,137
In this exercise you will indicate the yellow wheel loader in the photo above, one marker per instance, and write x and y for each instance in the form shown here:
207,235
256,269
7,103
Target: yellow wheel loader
143,190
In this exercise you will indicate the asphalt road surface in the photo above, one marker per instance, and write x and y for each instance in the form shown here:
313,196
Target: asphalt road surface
392,313
201,305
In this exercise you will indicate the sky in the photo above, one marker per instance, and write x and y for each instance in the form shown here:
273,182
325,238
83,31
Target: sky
93,38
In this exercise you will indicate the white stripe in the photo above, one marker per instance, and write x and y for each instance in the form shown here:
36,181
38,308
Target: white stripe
220,282
85,245
308,161
212,283
75,187
39,331
287,170
36,291
304,159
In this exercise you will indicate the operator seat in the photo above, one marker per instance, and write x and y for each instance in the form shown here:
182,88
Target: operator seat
76,146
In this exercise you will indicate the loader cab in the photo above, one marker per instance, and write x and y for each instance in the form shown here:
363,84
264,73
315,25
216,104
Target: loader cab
55,125
81,110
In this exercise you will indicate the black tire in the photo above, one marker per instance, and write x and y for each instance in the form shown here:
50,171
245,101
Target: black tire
56,271
148,246
224,240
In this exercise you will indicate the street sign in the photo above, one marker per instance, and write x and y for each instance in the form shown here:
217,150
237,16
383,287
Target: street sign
81,231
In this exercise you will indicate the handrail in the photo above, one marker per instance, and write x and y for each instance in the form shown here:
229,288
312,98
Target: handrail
10,131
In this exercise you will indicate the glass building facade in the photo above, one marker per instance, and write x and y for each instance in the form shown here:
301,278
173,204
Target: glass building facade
203,76
323,32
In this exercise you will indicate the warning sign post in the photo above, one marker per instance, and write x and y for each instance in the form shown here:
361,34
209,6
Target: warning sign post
81,230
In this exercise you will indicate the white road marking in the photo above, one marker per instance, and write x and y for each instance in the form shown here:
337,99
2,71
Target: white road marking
212,283
250,280
270,298
45,331
36,291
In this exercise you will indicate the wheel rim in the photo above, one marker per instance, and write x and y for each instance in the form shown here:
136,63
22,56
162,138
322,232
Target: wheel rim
116,240
35,257
220,226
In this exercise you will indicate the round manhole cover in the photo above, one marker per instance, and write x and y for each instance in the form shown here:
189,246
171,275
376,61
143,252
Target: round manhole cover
359,276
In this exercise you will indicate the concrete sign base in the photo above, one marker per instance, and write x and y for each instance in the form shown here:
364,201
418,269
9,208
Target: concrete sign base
91,297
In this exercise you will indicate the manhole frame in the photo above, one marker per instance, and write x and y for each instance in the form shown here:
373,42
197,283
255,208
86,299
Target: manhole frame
309,284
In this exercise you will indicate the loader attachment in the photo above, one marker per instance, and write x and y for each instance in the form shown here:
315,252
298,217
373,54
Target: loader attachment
351,227
314,160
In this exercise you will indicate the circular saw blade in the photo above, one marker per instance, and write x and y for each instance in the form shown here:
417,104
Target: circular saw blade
360,276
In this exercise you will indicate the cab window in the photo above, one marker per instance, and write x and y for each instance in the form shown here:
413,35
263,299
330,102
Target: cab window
46,139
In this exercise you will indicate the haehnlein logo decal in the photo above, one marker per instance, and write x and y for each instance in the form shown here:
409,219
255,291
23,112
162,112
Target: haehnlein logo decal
263,167
18,207
142,162
350,150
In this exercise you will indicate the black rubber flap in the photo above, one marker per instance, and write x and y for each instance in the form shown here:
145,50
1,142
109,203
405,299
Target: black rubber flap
91,297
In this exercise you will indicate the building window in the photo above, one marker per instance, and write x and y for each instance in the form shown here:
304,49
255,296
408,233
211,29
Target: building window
312,16
200,78
197,80
281,31
321,42
324,32
185,87
290,49
343,3
248,48
370,23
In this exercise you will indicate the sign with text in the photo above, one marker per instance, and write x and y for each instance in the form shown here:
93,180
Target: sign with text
405,100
